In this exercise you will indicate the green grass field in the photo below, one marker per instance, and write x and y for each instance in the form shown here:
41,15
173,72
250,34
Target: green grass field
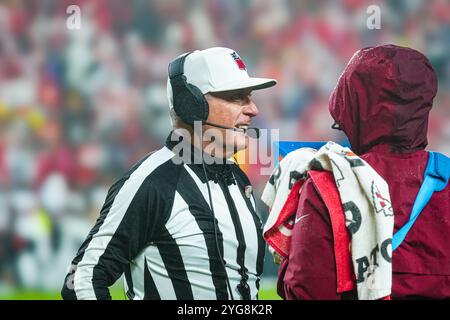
116,293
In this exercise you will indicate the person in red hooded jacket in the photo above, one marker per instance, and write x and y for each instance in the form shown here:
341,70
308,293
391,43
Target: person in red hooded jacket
382,101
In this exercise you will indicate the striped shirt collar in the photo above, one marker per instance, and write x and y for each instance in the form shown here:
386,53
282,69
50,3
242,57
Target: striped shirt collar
217,169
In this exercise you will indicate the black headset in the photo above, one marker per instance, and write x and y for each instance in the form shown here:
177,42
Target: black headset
188,100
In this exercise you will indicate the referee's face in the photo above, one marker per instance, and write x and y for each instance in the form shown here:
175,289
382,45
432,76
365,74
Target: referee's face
231,109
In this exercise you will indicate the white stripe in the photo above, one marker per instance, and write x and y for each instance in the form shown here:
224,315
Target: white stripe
201,186
137,276
252,199
159,274
190,240
83,276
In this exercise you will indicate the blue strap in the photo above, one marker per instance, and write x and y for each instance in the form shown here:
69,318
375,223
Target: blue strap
436,178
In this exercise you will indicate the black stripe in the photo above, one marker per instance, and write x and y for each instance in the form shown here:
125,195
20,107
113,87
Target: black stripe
129,280
243,181
240,259
201,211
150,289
173,262
257,288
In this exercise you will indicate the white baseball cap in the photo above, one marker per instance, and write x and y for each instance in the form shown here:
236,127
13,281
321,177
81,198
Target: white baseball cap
218,69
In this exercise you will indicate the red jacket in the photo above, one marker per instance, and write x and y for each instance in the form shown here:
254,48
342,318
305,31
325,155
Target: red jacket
381,101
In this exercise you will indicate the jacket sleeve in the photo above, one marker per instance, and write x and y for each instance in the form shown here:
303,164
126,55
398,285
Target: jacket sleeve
129,219
310,272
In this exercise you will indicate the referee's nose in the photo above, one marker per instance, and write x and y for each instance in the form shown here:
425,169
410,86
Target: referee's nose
249,108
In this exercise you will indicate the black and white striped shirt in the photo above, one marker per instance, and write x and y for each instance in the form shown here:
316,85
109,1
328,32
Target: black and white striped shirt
156,227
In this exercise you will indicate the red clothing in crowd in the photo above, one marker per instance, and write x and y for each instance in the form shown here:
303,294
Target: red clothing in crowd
382,102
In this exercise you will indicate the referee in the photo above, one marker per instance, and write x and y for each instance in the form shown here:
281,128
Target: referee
181,224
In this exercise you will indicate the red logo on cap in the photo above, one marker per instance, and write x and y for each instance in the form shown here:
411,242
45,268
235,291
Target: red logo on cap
239,61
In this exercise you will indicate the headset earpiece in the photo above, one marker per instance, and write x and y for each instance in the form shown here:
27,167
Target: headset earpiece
200,109
188,101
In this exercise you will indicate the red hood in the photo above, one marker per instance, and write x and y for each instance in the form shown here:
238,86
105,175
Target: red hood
384,96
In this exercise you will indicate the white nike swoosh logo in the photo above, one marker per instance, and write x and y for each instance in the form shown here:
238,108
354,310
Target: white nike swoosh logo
300,218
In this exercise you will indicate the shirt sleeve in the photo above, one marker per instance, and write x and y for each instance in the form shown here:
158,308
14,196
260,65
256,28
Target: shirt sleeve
131,216
310,272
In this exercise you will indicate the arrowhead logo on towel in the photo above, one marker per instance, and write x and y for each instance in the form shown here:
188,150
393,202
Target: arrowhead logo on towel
380,202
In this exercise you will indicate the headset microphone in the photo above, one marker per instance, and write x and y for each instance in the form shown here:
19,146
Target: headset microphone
251,131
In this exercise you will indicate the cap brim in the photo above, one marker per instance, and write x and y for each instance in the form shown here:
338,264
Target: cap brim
250,83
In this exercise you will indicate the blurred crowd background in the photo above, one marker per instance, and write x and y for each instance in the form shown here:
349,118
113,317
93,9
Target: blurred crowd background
79,107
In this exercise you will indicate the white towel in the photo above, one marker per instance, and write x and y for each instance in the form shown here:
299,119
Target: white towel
367,206
281,181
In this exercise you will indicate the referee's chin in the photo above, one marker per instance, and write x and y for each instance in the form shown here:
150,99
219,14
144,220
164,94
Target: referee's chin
226,149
